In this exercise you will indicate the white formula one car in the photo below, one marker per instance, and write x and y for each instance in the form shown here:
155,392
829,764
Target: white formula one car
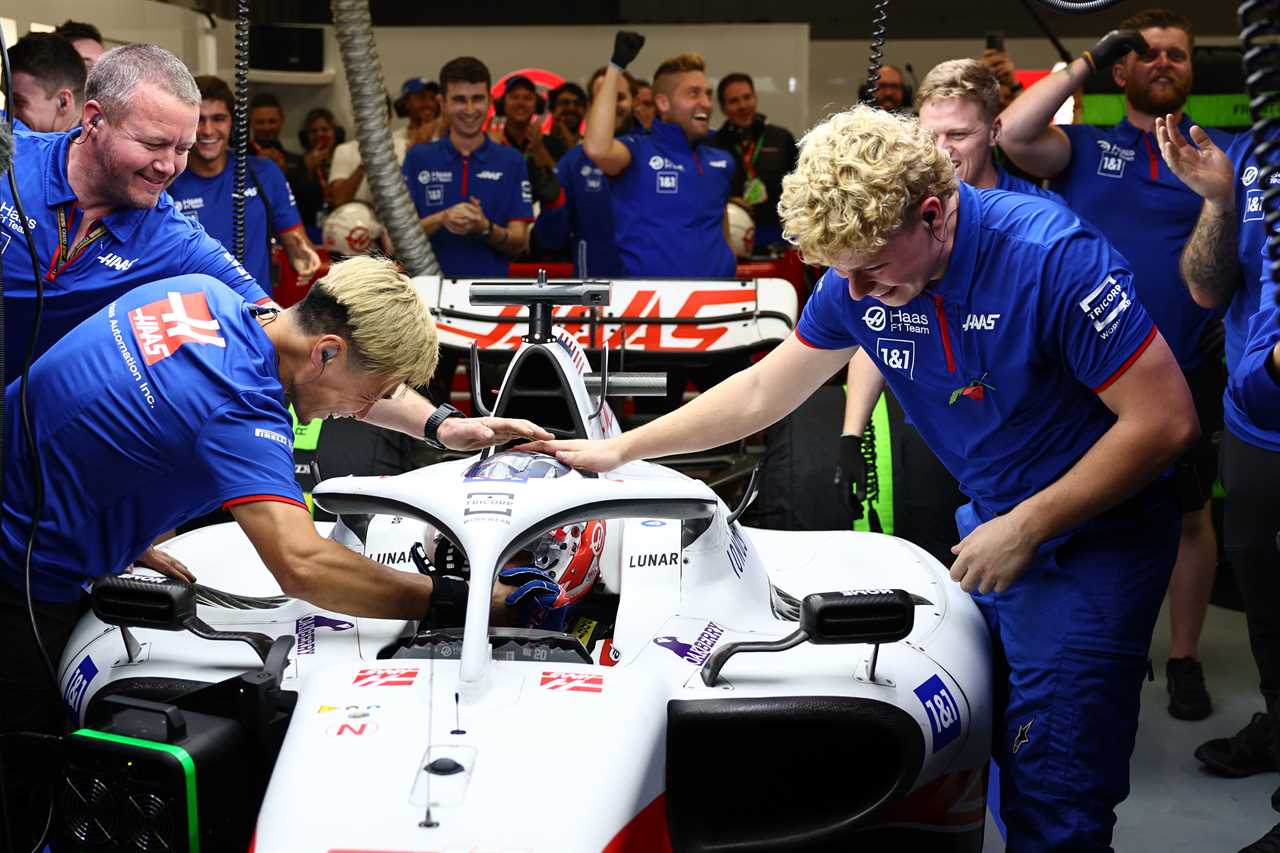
718,687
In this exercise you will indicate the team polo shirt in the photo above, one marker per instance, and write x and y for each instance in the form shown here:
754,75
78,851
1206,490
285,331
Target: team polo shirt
1252,233
269,209
1251,404
584,222
134,246
1000,363
158,408
1009,182
1117,181
668,207
439,176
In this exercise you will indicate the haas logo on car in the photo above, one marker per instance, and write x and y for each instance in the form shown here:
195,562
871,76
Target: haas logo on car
181,318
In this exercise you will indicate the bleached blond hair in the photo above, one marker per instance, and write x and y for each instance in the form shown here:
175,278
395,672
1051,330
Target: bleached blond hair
859,176
371,304
962,78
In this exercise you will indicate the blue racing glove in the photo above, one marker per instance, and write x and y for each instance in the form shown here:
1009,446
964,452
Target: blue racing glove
539,601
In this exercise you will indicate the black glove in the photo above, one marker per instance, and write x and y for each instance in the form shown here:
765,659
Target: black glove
1114,45
851,474
626,46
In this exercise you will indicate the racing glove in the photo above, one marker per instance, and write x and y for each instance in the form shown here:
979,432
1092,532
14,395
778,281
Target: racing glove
1114,45
539,601
626,46
851,474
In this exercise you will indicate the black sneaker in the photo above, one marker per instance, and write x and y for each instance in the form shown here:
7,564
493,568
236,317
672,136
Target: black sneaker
1188,699
1269,843
1243,754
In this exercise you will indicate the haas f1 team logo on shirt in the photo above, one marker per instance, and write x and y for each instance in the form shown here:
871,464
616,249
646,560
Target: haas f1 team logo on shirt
181,318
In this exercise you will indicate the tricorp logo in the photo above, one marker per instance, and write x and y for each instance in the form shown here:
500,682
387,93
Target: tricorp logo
163,326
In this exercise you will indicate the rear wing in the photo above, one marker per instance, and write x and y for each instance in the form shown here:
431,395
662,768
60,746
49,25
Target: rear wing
648,315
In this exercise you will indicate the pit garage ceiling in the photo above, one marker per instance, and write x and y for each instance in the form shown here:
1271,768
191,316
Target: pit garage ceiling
908,19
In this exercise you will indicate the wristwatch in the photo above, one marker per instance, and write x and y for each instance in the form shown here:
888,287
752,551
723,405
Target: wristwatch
442,413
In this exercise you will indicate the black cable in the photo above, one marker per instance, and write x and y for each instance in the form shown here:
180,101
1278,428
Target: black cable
1259,28
240,128
1065,54
879,19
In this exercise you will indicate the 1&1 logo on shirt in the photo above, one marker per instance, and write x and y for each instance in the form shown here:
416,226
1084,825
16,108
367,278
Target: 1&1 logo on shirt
1112,159
181,318
898,354
668,182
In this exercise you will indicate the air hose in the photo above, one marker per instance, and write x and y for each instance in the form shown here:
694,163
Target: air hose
353,27
240,129
879,19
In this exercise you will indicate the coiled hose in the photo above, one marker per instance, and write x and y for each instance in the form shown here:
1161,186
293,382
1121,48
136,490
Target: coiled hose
1259,31
354,29
240,129
879,20
1076,7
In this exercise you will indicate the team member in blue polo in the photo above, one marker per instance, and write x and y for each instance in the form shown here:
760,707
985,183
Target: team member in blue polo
95,198
204,192
1011,334
669,187
1114,179
1223,264
472,194
582,221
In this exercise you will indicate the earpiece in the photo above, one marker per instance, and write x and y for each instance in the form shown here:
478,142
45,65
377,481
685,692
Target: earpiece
95,121
927,216
328,355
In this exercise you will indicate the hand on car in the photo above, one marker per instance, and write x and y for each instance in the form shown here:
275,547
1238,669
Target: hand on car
166,564
476,433
851,474
597,455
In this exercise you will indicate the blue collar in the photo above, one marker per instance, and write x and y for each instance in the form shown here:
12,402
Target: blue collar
121,222
1130,133
670,134
479,153
958,279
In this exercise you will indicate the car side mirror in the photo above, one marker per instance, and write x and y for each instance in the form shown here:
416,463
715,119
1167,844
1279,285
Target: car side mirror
139,601
829,618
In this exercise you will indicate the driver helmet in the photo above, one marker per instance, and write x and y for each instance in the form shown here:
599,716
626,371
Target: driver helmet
352,229
572,555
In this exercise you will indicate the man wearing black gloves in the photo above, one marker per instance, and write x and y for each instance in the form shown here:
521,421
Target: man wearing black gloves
669,189
1114,179
764,152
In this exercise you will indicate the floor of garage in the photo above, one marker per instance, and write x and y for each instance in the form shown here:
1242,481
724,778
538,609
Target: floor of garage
1173,805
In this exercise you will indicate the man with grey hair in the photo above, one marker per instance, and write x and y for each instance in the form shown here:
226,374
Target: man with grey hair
96,205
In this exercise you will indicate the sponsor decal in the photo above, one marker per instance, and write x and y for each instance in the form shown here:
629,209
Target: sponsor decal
940,707
976,390
572,682
352,729
305,630
644,561
737,551
583,628
403,677
489,503
272,435
1249,176
586,170
78,685
526,192
130,363
1112,159
9,215
609,655
1023,736
898,354
594,184
489,175
668,182
435,195
980,322
352,712
161,327
653,522
1104,305
655,162
1253,206
391,558
718,164
186,204
875,317
359,239
699,650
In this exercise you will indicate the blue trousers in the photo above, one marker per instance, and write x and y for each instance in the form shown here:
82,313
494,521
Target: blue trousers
1070,640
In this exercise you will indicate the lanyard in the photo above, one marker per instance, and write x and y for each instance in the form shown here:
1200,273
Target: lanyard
751,155
67,254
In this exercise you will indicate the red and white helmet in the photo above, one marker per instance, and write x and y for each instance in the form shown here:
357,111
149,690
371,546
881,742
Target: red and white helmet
572,555
353,229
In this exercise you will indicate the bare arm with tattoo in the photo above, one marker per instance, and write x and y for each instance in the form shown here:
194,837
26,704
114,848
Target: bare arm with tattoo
1209,263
